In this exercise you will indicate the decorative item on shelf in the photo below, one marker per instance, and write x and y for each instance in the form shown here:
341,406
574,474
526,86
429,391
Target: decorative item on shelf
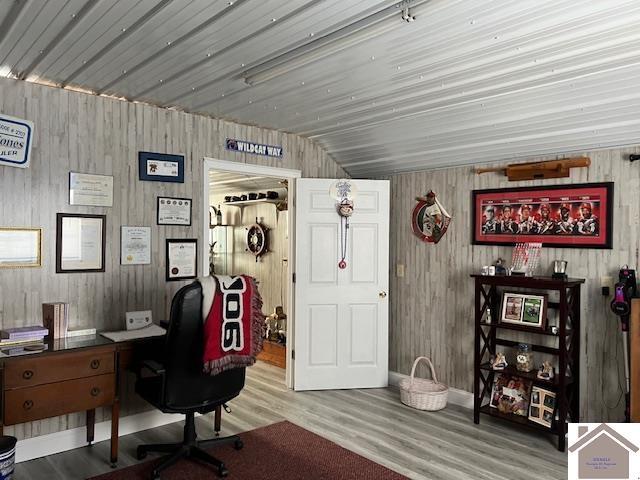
227,198
499,362
489,316
561,215
243,197
542,406
560,269
525,258
257,239
524,358
524,309
281,324
546,372
510,395
554,329
253,196
271,195
500,268
344,192
262,195
235,198
271,327
430,220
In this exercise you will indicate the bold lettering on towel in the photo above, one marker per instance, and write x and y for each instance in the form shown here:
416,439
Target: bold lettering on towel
232,311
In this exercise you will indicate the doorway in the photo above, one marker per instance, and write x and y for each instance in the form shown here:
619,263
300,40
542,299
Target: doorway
249,230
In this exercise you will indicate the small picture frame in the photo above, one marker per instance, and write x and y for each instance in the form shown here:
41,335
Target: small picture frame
20,247
174,211
80,243
182,259
524,309
160,167
542,406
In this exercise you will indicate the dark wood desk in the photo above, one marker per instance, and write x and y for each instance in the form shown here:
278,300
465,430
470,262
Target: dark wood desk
72,375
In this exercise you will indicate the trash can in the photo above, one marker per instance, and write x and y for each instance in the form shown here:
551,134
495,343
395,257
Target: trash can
7,456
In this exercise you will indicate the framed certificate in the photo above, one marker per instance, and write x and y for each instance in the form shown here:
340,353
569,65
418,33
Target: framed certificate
160,167
174,211
80,243
92,190
135,245
182,259
20,247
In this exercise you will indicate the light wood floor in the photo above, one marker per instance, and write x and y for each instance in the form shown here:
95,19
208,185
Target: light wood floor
443,445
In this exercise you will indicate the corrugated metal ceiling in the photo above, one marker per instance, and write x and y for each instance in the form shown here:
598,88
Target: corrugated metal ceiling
469,81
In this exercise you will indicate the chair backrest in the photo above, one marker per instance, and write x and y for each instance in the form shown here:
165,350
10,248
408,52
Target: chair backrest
186,385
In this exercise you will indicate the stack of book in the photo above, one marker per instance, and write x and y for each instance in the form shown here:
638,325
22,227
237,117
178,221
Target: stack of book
14,339
55,318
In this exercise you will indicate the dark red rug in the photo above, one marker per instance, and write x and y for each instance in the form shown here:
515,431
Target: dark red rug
282,451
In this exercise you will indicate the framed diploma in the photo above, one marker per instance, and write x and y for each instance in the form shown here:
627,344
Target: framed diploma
160,167
20,247
182,259
174,211
80,243
92,190
135,245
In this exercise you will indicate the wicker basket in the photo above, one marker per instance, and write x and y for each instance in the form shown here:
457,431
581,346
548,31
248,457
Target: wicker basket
423,394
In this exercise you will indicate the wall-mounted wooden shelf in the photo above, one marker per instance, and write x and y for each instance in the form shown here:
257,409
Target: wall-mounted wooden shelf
244,203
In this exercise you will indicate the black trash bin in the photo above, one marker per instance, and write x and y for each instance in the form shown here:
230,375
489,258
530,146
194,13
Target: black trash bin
7,456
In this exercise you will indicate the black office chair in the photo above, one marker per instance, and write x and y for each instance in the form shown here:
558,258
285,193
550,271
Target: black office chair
178,384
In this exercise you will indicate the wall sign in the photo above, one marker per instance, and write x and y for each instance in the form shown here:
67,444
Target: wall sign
429,219
15,141
93,190
160,167
254,148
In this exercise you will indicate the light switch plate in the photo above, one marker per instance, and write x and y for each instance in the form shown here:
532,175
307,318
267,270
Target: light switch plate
400,270
138,320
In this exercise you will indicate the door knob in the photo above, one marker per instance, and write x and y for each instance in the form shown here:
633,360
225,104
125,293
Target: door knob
382,294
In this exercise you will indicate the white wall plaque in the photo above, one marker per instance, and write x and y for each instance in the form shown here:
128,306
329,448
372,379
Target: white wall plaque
15,141
93,190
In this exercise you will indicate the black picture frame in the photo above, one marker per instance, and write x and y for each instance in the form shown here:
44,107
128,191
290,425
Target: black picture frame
145,157
604,240
59,235
168,273
190,200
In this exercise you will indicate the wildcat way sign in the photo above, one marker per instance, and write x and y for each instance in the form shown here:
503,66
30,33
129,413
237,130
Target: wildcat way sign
254,148
15,141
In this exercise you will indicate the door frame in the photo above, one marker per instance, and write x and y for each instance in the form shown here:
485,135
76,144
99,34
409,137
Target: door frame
263,171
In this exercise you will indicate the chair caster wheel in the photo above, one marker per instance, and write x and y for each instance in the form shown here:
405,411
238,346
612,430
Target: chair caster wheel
141,454
222,471
238,444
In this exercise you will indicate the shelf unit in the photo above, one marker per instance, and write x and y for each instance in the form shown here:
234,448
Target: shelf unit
244,203
566,382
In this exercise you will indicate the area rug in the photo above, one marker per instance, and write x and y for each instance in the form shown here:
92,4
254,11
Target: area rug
282,451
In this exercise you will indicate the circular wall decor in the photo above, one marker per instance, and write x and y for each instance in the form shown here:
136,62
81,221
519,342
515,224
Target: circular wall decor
257,239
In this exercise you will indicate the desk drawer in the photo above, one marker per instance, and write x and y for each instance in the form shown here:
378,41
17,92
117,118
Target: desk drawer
40,370
44,401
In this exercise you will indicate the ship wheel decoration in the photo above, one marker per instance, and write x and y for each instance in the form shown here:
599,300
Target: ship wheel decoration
257,239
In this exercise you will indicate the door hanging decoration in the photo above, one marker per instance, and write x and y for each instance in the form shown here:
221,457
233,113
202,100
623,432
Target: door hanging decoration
344,192
430,220
257,240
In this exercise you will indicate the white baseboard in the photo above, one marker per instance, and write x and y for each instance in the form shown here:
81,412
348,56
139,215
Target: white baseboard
456,396
64,440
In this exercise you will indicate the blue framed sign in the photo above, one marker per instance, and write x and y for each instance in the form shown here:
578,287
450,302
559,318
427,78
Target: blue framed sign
254,148
161,167
15,141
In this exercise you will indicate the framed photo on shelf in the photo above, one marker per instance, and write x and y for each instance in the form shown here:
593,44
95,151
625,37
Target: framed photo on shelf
80,243
524,309
20,247
542,406
578,216
174,211
510,394
182,259
160,167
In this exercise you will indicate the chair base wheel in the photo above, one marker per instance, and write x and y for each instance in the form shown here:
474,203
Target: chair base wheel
238,444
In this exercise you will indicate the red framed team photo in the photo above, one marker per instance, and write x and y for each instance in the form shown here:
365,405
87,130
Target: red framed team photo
577,216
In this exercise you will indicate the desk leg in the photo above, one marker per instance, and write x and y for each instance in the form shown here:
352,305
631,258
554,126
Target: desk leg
91,424
218,420
115,418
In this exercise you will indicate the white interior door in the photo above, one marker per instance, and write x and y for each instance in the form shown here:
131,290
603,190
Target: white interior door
341,316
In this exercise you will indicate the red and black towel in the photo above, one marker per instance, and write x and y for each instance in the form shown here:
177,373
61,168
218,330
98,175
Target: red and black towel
233,322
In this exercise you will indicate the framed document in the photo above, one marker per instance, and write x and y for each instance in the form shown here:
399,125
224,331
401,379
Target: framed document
80,243
135,245
182,259
92,190
174,211
20,247
160,167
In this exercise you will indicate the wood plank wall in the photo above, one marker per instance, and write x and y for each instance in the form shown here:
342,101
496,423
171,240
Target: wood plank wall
90,134
432,306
